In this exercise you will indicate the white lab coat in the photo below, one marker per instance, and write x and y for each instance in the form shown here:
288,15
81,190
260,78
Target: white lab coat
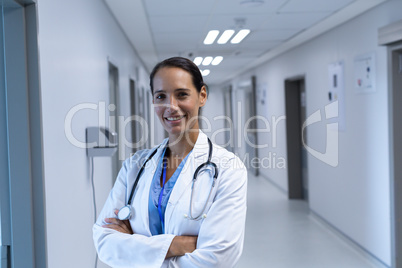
220,234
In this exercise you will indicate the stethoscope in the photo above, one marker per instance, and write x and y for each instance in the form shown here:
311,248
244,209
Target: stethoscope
126,211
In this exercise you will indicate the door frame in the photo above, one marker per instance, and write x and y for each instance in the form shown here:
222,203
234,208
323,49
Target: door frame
391,37
395,150
294,136
23,222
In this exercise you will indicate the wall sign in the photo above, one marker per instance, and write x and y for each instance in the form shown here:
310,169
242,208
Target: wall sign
364,78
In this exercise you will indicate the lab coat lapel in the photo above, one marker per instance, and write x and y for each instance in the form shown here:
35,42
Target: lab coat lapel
198,156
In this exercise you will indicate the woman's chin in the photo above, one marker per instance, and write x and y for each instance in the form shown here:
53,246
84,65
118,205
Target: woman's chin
177,130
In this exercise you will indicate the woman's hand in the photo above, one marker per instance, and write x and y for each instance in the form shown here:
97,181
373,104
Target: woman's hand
118,225
181,245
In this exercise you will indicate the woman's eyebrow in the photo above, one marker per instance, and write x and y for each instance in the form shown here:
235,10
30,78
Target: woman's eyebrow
178,89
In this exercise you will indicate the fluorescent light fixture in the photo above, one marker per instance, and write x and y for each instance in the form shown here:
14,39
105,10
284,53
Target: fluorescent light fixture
198,60
211,36
205,72
251,3
207,61
240,36
217,60
225,36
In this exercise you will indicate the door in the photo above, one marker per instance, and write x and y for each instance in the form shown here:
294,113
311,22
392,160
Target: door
133,112
149,117
295,98
22,226
5,237
245,130
228,106
395,98
118,157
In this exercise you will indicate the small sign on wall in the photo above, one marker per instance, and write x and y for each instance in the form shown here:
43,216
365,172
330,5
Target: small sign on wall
364,78
336,91
262,93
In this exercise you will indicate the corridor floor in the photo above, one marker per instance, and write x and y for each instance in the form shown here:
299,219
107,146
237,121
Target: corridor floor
283,234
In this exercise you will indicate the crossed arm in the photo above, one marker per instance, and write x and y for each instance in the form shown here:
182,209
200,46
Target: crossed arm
219,240
180,244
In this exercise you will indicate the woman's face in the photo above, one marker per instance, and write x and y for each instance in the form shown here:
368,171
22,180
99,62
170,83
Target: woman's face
176,100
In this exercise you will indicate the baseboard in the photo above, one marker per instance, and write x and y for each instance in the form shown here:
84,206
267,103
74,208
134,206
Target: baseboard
347,240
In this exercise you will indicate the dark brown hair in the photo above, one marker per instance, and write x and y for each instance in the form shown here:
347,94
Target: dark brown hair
184,64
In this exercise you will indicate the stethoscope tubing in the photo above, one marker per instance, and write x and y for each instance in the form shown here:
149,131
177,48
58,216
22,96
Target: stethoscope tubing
201,215
125,214
139,175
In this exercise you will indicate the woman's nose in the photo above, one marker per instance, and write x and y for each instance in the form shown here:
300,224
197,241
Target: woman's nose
172,103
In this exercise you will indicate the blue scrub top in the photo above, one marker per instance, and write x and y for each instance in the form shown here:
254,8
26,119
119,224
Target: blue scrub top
155,224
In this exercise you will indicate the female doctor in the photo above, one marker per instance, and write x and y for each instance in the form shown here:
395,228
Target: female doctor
183,203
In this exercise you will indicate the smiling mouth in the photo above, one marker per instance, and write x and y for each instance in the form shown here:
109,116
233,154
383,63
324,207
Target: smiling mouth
174,118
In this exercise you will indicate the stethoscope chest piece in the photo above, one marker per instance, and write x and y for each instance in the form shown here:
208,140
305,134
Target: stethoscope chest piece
124,213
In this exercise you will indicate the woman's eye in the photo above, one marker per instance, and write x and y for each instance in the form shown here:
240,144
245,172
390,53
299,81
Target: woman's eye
182,94
159,97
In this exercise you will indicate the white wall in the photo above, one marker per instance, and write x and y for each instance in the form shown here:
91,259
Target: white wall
213,110
354,196
76,38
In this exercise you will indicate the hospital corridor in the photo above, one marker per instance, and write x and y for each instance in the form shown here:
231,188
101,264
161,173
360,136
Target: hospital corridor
213,133
295,237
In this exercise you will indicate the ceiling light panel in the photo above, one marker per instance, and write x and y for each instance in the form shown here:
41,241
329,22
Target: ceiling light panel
207,61
205,72
217,60
211,36
198,61
225,36
240,36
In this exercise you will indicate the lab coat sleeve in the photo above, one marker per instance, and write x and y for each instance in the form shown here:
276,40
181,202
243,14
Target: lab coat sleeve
221,236
121,250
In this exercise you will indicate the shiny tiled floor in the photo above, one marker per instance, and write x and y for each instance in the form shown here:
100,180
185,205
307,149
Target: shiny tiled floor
282,234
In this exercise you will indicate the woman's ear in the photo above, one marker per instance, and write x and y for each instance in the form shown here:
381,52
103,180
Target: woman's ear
203,96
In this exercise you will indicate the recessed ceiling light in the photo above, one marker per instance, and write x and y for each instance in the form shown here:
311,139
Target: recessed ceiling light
217,60
198,61
207,61
205,72
225,36
211,36
251,3
240,36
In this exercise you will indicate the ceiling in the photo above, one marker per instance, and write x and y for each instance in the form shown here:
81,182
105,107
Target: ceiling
159,29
